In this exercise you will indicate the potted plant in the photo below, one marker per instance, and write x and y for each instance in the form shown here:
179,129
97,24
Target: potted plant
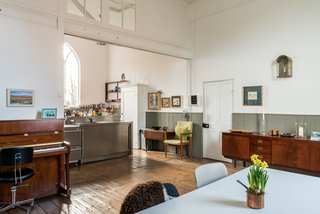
257,179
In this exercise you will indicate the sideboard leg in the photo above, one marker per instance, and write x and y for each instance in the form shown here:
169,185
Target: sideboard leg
244,164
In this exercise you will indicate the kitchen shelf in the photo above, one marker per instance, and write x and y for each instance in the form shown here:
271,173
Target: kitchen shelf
113,91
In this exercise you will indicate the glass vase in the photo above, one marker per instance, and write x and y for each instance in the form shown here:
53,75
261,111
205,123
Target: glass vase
263,129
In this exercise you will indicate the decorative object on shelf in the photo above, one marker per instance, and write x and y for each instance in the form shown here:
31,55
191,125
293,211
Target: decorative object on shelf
49,113
20,97
284,66
156,127
286,134
176,101
257,179
242,131
315,136
274,132
301,130
263,129
166,102
154,100
252,95
113,90
123,77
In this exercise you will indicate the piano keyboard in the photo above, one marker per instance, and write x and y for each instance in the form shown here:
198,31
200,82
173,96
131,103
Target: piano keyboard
47,149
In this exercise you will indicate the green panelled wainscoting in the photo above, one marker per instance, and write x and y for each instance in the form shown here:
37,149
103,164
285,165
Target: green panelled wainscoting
170,119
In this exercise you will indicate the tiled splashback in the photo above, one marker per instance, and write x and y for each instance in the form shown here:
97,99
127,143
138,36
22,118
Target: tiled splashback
282,122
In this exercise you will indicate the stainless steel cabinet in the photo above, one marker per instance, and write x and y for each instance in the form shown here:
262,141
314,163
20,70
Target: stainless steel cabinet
74,137
104,141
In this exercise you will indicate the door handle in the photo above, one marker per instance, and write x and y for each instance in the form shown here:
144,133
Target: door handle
205,125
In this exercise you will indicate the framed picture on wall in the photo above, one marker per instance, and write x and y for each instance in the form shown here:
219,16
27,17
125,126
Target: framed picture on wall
252,95
154,101
20,97
176,101
165,102
49,113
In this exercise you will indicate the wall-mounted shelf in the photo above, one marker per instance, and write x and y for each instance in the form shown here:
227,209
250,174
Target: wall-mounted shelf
113,91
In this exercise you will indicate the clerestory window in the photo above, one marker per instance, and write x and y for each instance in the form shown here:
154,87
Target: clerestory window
122,13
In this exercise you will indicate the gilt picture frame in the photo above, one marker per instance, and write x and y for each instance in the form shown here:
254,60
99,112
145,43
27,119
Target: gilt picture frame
252,95
154,101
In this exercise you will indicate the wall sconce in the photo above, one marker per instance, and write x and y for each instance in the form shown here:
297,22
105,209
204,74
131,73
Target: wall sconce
284,66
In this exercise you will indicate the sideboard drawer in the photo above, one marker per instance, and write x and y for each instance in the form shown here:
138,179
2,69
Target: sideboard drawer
262,142
262,148
264,154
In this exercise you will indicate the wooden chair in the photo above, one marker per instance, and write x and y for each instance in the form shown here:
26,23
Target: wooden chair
183,139
209,173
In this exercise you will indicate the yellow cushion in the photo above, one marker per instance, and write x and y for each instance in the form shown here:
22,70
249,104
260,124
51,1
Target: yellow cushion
181,130
174,142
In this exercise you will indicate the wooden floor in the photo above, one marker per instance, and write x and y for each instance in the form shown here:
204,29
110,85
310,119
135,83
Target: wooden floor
101,186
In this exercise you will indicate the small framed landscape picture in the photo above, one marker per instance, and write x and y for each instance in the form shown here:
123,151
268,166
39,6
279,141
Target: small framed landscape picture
165,102
176,101
252,95
49,113
154,101
20,97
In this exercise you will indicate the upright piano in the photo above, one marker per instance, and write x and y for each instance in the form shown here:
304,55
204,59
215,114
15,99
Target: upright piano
50,157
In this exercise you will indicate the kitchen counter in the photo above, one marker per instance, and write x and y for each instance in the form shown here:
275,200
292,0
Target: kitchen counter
103,139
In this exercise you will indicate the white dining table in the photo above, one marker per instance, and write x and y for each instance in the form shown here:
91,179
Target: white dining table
286,193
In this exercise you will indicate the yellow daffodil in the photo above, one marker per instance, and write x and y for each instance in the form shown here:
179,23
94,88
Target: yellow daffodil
257,177
264,164
257,162
254,157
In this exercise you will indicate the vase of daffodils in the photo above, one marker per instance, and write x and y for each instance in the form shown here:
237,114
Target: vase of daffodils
257,179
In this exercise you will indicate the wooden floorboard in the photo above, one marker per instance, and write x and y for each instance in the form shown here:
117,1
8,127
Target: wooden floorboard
100,187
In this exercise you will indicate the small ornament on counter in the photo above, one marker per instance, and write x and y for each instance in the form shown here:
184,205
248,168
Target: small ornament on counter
123,77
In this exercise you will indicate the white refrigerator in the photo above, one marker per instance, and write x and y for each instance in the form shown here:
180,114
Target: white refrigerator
134,100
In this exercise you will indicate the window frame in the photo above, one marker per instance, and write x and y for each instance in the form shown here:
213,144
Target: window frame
71,51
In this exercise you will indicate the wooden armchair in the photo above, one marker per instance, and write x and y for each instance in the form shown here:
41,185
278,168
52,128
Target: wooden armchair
183,138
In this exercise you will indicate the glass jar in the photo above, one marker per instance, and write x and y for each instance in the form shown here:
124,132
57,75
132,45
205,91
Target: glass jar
301,129
263,129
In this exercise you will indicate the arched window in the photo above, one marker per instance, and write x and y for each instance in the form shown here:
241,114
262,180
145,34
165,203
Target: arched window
71,77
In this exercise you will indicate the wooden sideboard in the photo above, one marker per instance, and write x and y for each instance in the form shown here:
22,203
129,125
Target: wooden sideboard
285,152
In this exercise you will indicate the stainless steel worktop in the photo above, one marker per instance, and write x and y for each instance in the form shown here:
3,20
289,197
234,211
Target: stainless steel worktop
104,139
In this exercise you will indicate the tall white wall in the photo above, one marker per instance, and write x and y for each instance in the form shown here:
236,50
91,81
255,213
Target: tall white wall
242,42
165,20
32,47
30,58
93,65
160,72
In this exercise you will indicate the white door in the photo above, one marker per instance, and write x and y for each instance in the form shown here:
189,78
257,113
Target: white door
129,112
217,113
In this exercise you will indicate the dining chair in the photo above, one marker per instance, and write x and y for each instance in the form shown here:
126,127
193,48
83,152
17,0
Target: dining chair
183,137
16,158
209,173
